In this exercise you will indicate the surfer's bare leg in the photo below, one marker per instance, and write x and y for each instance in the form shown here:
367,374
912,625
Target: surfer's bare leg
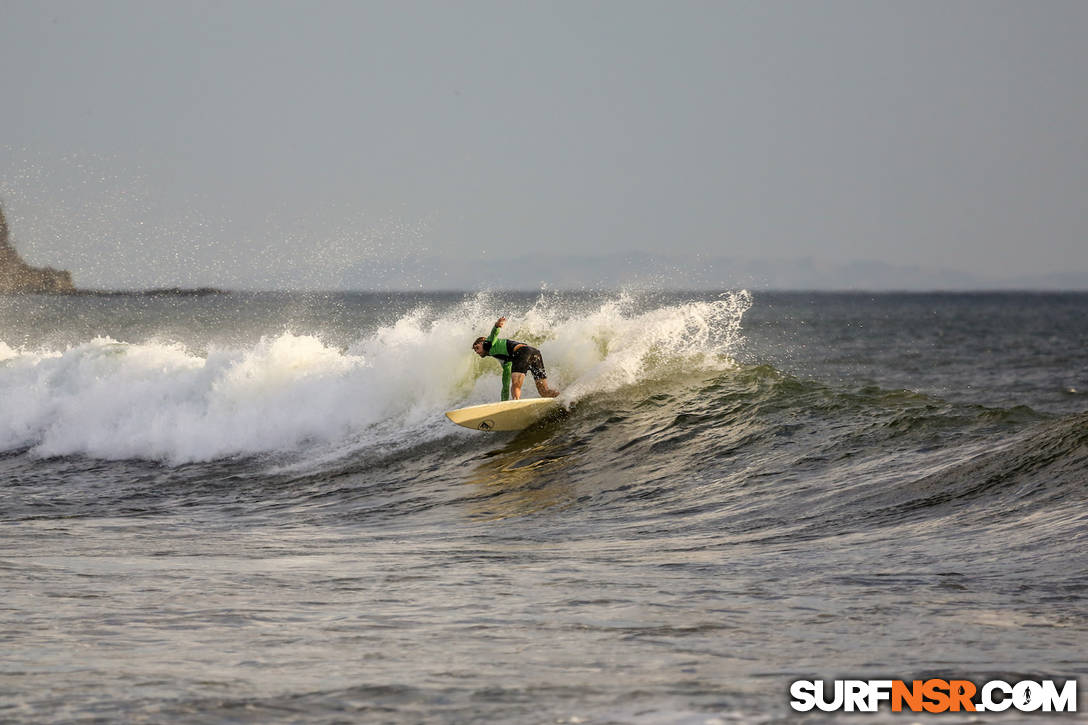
516,381
544,390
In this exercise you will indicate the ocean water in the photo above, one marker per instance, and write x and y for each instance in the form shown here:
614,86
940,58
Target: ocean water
249,508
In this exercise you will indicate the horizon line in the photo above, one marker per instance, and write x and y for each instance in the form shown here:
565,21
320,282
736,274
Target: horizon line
208,290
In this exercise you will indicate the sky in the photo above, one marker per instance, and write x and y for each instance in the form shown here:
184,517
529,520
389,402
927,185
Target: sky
450,145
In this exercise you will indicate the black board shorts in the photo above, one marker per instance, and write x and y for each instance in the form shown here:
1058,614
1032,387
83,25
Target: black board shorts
527,359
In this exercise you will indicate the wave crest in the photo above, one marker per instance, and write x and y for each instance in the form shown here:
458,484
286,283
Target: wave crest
163,401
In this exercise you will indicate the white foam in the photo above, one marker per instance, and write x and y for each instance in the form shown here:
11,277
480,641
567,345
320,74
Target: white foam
160,401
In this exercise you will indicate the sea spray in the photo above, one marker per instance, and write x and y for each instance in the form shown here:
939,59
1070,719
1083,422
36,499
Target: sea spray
616,346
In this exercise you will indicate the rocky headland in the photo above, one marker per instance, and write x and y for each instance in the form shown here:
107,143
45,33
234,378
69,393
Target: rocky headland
18,276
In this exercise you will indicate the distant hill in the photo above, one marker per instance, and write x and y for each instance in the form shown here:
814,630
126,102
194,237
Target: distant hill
18,276
667,271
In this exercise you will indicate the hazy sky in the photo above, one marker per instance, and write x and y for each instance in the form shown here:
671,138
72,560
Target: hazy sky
258,144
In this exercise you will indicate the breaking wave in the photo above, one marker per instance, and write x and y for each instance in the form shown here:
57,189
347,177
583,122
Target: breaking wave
165,401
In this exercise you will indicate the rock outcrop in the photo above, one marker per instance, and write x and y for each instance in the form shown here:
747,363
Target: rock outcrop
18,276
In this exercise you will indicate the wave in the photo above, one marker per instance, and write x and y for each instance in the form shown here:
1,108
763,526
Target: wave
666,422
754,454
1042,467
164,401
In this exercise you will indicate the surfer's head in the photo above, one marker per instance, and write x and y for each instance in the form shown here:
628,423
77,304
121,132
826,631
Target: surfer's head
480,347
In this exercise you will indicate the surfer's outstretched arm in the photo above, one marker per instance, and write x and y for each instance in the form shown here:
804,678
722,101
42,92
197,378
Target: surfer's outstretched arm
495,331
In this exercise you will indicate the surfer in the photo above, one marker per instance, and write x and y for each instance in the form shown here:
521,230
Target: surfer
517,358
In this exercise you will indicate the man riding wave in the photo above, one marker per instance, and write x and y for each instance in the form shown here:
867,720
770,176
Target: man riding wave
517,358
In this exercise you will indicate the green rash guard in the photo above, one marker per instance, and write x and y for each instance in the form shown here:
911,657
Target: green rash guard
498,346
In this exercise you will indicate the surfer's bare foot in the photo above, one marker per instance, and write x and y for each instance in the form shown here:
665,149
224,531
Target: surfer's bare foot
544,390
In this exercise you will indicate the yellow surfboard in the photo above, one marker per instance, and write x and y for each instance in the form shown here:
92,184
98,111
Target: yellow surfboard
507,415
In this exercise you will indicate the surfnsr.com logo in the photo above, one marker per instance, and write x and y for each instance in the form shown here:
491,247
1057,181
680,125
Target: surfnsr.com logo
933,695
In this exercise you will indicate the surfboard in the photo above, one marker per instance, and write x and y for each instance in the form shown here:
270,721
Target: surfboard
507,415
